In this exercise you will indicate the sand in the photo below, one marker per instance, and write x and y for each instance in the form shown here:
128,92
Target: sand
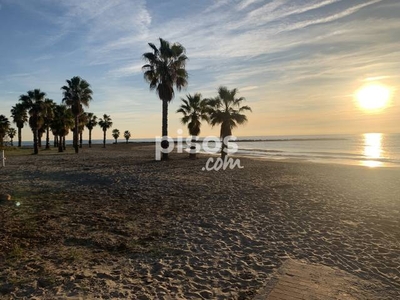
114,224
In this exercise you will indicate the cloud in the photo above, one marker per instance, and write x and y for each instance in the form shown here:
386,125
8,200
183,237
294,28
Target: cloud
283,55
44,57
129,70
246,3
278,9
331,18
248,88
377,78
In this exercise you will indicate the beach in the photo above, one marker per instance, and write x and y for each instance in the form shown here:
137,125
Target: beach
115,224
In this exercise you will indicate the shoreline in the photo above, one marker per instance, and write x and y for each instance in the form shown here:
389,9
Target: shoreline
366,150
339,162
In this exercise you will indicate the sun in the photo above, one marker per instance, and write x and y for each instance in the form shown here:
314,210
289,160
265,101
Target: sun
373,97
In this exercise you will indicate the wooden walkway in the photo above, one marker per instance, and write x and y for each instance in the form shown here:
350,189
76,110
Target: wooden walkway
296,280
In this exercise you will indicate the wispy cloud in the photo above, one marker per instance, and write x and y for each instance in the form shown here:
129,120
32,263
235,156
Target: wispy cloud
377,78
284,56
129,70
331,18
44,57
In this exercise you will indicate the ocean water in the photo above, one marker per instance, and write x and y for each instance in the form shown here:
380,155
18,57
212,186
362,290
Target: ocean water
369,149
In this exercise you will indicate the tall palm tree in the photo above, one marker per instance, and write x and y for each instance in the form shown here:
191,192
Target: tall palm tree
81,127
77,93
115,134
194,110
48,115
40,135
226,109
33,101
127,135
20,117
91,122
54,132
105,123
165,69
62,122
11,134
4,127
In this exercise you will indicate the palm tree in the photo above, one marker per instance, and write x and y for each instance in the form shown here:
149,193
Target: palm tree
48,116
115,134
11,133
91,122
165,69
20,117
41,130
226,110
33,101
127,135
194,111
4,127
77,93
54,132
62,122
81,127
105,124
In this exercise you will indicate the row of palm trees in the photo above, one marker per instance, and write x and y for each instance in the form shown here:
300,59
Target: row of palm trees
116,133
165,70
225,109
44,115
4,129
60,120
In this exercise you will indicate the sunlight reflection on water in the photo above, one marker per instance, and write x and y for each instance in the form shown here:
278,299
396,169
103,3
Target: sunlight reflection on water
373,149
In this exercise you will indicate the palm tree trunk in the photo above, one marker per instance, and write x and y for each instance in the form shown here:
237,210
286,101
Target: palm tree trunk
225,131
55,141
104,139
35,141
223,154
60,145
63,143
47,138
39,139
11,142
165,143
90,138
19,136
80,139
1,140
192,153
127,141
76,133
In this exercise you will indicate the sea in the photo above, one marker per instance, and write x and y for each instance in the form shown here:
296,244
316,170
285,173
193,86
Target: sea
368,149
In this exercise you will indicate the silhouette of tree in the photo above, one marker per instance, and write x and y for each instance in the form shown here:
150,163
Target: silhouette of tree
77,93
194,110
105,123
226,109
33,101
165,69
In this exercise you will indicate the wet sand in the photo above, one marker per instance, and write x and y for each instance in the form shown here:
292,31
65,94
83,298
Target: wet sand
113,223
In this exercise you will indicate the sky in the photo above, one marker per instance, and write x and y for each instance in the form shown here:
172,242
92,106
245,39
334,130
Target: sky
298,63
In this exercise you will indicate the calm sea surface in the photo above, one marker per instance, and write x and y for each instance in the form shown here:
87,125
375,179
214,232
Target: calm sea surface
369,149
